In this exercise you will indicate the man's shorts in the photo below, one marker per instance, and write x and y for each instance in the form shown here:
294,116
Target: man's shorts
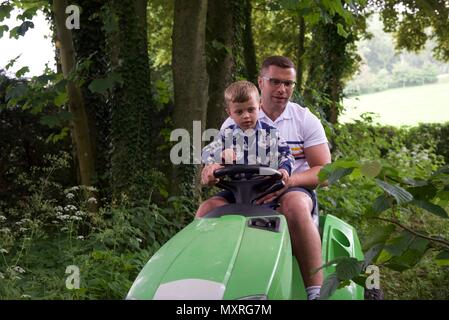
229,196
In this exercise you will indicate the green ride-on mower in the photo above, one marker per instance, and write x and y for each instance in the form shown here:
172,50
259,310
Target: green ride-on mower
242,250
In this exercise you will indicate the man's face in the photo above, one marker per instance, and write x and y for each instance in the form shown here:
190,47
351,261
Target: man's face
276,85
244,114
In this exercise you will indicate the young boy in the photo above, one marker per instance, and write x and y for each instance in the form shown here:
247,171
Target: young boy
248,141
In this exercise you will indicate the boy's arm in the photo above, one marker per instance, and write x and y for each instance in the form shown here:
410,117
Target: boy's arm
212,152
285,158
211,157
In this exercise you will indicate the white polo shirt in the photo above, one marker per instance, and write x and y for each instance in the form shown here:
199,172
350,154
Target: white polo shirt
299,127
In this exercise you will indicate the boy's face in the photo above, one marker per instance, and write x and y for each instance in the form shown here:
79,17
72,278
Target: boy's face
244,114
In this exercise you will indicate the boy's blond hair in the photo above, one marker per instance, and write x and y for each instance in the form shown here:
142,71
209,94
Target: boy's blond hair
240,91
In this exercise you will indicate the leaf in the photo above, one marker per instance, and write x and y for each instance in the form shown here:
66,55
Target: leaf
399,244
21,30
348,268
61,98
17,91
104,84
378,234
381,204
3,29
22,71
338,174
5,10
341,30
12,62
400,194
372,253
329,286
411,256
423,192
371,169
50,121
430,207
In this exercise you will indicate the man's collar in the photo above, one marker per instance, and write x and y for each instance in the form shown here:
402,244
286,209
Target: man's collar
285,115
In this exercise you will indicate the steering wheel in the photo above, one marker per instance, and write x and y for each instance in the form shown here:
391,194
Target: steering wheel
249,183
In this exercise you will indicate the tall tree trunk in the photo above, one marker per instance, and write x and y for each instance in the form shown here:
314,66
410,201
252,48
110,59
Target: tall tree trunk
133,143
80,123
190,81
220,39
90,43
300,56
248,43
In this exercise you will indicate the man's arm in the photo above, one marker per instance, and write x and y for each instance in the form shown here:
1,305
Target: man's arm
317,157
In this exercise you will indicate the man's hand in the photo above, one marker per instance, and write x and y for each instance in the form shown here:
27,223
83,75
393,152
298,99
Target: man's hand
270,197
285,175
207,175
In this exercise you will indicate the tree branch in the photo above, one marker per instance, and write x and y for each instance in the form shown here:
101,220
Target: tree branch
442,241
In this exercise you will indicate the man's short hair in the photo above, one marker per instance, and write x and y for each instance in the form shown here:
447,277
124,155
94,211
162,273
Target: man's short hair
279,61
240,91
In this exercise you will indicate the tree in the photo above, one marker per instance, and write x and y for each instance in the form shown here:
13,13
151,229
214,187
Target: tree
80,124
132,135
220,38
190,79
410,21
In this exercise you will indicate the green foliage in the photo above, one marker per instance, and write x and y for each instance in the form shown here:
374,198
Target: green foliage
397,188
409,21
52,229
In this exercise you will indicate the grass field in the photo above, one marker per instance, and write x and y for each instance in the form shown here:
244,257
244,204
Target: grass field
402,106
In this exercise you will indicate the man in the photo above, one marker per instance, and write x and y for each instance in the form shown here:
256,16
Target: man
305,135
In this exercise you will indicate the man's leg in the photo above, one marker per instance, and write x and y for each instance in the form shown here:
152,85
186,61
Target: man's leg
306,243
209,205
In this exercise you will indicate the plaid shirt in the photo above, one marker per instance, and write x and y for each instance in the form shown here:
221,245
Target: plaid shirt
253,146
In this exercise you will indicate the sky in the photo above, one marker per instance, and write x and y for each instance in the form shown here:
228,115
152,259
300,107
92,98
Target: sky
35,46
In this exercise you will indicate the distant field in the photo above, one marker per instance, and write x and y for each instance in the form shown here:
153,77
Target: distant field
403,106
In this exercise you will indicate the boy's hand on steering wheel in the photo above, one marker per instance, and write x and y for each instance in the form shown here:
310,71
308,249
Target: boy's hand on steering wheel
207,175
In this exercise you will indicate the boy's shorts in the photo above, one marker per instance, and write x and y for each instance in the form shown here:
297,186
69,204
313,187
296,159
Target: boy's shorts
229,196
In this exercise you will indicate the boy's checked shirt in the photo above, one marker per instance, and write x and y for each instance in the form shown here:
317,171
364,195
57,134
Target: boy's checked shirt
253,146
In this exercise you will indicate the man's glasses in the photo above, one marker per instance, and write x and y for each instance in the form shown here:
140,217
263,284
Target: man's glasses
277,83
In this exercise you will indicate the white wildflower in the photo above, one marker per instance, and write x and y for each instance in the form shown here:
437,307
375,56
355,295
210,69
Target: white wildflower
18,269
64,229
80,237
55,222
76,218
2,218
69,207
3,250
139,240
70,195
23,229
75,188
80,213
58,208
2,276
92,200
5,230
26,296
